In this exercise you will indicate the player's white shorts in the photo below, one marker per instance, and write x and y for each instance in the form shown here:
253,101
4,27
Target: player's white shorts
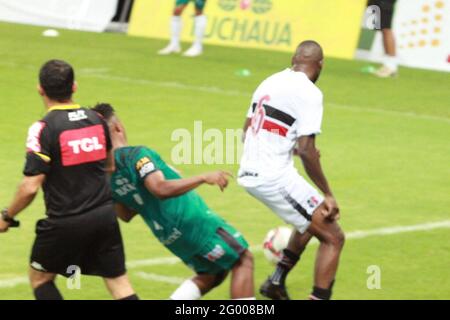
291,197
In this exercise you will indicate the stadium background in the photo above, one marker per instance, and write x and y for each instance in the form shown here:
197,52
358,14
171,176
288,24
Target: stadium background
385,149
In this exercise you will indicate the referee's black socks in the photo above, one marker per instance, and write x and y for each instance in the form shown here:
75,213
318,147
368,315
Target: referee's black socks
47,291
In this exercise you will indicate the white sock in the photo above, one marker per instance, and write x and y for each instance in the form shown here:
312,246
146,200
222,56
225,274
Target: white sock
249,298
200,23
391,62
176,27
188,290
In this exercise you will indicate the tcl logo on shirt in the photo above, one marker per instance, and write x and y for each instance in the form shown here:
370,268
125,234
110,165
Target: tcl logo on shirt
82,145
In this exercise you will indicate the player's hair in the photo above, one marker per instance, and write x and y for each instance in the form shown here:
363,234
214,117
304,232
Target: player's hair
105,110
56,78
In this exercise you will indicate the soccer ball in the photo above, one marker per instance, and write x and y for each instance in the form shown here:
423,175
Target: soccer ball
275,242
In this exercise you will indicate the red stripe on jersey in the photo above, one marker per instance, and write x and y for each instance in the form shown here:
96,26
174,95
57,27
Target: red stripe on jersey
83,145
275,128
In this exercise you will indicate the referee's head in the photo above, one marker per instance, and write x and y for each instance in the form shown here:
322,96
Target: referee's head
57,81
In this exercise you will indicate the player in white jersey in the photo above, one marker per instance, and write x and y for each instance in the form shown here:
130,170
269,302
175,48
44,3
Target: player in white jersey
283,120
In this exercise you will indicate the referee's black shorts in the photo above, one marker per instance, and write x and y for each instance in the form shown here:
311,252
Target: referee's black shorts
386,11
91,242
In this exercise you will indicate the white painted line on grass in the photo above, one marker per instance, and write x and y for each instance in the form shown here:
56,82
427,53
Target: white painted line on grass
390,112
92,71
13,282
152,262
221,91
398,229
159,278
102,73
169,84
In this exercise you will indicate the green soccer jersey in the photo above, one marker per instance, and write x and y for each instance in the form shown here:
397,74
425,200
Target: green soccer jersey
199,4
184,224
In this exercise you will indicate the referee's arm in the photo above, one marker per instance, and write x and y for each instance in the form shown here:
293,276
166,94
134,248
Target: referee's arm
25,194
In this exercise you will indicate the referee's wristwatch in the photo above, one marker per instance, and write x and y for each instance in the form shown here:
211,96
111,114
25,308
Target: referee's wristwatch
6,217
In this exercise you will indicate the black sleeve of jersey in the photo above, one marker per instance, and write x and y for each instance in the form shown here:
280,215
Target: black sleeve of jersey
35,165
38,157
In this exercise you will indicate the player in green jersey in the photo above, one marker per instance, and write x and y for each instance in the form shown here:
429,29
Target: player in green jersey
200,23
142,183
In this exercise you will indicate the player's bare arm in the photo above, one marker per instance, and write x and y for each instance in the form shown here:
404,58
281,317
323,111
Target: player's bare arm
310,156
157,184
124,213
25,194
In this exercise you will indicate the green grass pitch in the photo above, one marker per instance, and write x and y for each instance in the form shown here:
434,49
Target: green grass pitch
385,148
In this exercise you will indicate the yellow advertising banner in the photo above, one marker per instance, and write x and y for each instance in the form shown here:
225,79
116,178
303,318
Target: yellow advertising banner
264,24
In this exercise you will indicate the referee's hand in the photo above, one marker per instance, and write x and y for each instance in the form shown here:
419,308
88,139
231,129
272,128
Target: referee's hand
4,226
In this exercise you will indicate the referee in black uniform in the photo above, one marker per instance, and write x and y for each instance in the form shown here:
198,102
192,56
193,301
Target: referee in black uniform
67,154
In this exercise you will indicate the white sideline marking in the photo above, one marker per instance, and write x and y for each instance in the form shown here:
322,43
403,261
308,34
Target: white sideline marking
91,71
399,229
152,262
217,90
169,84
102,73
13,282
390,112
159,278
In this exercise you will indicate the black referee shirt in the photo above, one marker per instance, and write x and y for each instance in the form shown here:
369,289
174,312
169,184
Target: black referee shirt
70,145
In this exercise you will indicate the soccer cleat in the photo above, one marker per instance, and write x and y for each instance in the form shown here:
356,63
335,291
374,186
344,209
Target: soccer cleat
274,291
193,51
385,72
169,50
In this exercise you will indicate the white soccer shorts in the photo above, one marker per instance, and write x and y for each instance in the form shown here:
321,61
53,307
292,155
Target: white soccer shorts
291,197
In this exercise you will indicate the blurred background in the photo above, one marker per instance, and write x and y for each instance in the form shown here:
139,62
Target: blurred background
343,27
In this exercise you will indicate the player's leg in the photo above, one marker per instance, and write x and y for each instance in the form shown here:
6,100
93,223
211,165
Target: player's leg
207,282
389,42
275,285
200,23
242,286
176,27
390,62
331,240
294,200
120,288
236,257
198,286
43,285
390,59
226,251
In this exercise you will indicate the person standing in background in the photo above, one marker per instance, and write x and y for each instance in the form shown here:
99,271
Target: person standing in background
390,63
200,22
